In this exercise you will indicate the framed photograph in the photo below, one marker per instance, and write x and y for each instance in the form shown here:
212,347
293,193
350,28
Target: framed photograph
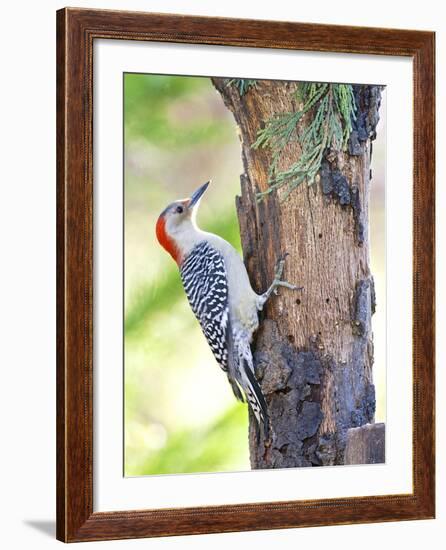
245,275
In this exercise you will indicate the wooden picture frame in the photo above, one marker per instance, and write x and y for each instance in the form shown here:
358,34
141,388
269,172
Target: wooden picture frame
77,29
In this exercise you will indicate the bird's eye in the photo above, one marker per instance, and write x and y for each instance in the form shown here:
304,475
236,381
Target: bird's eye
179,209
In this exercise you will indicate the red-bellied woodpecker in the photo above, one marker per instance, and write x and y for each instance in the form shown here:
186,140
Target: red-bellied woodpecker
219,292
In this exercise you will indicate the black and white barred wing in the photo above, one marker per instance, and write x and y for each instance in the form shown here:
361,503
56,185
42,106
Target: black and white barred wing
203,274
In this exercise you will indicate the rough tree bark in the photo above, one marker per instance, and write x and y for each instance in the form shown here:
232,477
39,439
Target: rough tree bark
314,349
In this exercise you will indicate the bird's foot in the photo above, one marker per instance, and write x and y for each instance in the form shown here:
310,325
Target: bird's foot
277,282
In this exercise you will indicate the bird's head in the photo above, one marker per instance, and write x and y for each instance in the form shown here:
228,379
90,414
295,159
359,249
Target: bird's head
176,228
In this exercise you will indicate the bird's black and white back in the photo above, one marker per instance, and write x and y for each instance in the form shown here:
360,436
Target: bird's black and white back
205,282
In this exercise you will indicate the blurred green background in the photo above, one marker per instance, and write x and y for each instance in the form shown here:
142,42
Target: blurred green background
180,413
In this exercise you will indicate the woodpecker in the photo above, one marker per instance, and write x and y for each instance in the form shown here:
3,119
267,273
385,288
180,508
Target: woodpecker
217,286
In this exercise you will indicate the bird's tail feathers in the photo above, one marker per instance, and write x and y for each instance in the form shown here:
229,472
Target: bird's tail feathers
254,396
241,377
236,389
232,369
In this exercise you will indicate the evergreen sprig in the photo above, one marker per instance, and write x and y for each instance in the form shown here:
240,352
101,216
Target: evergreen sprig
333,108
242,84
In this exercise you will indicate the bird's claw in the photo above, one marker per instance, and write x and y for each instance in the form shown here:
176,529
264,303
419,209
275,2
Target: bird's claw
277,282
278,274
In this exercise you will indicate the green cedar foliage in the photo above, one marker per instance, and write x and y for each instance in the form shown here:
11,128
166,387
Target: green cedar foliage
242,85
332,109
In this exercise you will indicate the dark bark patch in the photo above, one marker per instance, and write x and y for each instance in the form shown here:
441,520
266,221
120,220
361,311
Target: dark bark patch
310,365
335,184
364,306
372,294
368,101
358,214
365,410
309,420
291,389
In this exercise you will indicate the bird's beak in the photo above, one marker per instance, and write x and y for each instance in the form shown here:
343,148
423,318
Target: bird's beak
196,196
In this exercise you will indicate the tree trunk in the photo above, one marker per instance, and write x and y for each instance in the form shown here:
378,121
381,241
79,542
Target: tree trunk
314,349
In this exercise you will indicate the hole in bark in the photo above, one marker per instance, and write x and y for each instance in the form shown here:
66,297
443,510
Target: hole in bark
327,301
320,235
291,338
320,333
298,302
